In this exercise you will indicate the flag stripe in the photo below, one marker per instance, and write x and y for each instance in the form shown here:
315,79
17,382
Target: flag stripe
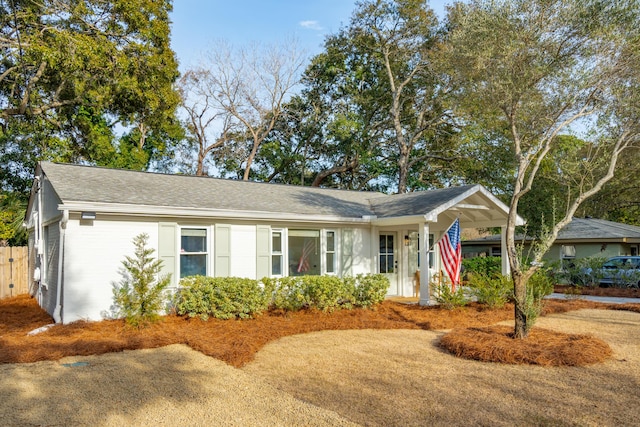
451,252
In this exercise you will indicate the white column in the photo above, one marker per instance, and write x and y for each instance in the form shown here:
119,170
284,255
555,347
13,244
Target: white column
425,294
374,248
506,267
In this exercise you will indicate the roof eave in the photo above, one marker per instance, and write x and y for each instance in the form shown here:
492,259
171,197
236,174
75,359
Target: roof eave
190,212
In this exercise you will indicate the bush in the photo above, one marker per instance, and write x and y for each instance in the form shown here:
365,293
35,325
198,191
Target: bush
488,266
494,290
226,298
445,296
220,297
539,286
370,289
581,272
286,293
326,293
139,296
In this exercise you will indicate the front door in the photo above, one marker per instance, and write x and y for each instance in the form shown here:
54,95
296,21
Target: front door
388,260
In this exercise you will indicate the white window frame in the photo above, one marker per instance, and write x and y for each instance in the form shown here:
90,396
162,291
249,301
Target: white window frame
326,252
207,253
284,268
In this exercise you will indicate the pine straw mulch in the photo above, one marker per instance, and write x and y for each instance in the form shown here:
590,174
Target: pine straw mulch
598,291
542,347
237,341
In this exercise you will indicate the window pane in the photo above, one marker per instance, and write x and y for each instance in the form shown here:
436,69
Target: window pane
276,242
276,265
383,264
304,252
331,241
191,265
304,233
193,240
330,262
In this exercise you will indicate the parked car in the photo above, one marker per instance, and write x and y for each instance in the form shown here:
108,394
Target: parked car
621,271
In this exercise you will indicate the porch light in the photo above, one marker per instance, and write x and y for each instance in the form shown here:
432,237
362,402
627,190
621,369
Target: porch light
407,240
88,215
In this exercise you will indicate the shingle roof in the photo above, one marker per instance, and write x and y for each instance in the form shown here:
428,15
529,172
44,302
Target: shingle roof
408,204
584,229
76,183
592,228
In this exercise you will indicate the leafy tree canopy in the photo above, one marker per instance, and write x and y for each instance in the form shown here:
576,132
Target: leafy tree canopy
76,75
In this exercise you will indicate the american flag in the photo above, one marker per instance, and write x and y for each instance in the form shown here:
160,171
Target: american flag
451,253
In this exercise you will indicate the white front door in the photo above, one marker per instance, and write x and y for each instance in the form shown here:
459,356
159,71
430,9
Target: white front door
388,260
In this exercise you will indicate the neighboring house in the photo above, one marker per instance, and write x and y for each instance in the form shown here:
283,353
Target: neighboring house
581,238
82,220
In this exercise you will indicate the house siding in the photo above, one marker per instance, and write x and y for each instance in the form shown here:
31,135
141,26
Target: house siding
94,252
50,202
243,251
51,240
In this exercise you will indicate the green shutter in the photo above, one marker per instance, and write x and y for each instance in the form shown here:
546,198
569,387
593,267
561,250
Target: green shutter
263,251
168,249
222,251
347,252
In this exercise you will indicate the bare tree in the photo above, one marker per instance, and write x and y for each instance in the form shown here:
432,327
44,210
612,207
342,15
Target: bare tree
243,91
207,127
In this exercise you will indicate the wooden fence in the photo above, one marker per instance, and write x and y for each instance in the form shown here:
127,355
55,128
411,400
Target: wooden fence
14,271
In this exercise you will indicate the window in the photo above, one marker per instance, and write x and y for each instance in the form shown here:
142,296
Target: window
331,252
568,251
415,237
193,252
276,253
304,252
386,257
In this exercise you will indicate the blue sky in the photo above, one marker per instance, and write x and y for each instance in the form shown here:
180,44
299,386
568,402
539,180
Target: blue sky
198,23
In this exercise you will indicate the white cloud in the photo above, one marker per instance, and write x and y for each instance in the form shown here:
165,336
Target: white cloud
311,25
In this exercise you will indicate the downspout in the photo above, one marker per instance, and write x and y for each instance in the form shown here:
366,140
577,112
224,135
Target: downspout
41,275
57,313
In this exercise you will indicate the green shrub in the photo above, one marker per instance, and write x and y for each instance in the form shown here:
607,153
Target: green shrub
581,272
220,297
226,298
370,289
447,297
286,293
539,286
139,295
488,266
326,293
494,290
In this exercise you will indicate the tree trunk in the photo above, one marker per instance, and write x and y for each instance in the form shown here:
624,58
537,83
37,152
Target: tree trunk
403,168
521,329
200,165
252,155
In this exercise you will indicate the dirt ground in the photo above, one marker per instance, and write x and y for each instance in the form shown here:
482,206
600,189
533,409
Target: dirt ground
399,378
373,367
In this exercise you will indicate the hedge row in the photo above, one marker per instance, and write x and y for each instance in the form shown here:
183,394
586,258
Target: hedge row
232,297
